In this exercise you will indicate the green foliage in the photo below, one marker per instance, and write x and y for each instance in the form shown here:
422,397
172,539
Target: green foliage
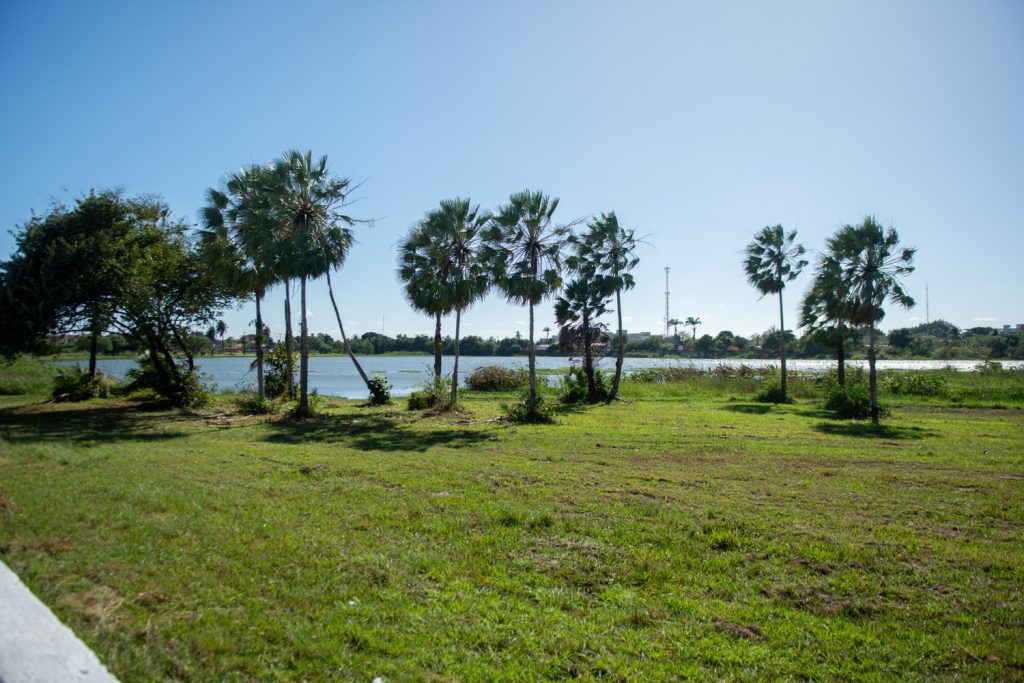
497,378
573,386
663,375
915,383
435,394
525,411
25,375
853,402
771,392
75,384
249,403
275,381
380,390
179,386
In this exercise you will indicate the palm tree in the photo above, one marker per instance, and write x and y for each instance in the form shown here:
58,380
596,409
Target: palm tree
872,264
773,259
547,333
692,322
606,253
306,200
674,323
236,241
467,277
824,309
422,266
584,299
525,253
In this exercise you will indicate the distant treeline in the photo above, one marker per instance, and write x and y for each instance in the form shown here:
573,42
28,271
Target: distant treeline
937,340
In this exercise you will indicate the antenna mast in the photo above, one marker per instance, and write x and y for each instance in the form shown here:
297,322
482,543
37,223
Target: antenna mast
666,301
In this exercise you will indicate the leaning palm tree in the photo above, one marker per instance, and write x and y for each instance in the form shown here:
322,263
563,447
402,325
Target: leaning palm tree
525,255
423,263
605,253
467,277
872,264
824,310
235,238
773,259
316,236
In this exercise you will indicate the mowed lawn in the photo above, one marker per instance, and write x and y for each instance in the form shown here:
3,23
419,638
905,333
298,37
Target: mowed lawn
673,536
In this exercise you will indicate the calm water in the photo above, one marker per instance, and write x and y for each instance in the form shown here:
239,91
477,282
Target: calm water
336,376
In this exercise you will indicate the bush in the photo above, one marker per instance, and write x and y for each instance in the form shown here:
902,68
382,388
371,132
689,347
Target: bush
25,376
251,404
497,378
771,392
275,377
75,384
521,412
187,391
663,375
915,383
574,386
380,390
853,402
436,393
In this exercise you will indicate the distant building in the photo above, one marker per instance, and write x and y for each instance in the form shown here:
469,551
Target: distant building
1012,329
636,336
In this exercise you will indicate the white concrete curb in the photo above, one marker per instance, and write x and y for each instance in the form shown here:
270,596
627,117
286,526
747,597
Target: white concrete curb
34,646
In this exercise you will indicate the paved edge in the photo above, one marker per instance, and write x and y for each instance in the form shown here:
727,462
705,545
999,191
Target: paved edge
35,647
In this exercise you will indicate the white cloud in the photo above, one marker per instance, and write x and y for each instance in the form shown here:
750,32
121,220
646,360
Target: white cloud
914,319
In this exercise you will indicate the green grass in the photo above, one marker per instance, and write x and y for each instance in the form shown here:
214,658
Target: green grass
26,376
688,532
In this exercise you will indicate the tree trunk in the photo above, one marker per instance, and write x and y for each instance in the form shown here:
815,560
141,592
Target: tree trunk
344,337
259,347
303,353
872,377
437,345
94,344
184,347
532,349
782,346
621,353
455,368
289,342
588,359
841,357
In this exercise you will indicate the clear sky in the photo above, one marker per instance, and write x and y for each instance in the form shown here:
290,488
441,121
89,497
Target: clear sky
697,122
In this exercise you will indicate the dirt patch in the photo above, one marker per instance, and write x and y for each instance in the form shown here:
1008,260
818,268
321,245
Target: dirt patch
98,606
749,631
7,505
824,603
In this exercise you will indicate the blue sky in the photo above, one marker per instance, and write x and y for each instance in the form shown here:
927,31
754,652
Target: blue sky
698,123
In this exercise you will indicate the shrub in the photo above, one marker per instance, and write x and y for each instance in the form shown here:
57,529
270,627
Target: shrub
521,412
853,402
771,392
664,375
380,390
275,376
915,383
497,378
574,386
436,393
75,384
187,391
251,404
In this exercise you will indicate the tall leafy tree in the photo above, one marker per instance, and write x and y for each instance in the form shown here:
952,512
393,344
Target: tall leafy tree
692,323
525,255
466,275
824,310
606,253
774,258
422,267
237,240
577,310
872,265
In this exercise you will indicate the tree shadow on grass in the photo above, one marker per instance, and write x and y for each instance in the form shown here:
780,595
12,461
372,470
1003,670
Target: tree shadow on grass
105,423
372,433
750,408
869,431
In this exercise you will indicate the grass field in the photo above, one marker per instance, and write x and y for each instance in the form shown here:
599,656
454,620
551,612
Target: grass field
687,533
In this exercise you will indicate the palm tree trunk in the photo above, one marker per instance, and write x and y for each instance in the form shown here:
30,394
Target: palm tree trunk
841,357
259,347
303,353
437,345
455,368
782,346
620,354
289,342
588,359
872,377
344,337
532,349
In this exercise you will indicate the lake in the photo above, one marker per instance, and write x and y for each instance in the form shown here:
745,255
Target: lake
336,376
